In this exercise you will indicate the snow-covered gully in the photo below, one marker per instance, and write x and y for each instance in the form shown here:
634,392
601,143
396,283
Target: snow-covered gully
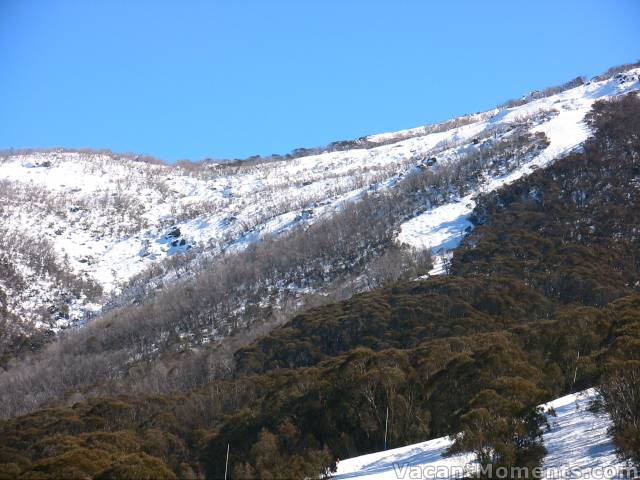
441,229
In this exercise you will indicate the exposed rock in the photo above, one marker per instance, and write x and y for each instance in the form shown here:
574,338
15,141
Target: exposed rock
174,232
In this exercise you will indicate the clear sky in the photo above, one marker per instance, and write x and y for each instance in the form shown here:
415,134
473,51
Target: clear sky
223,79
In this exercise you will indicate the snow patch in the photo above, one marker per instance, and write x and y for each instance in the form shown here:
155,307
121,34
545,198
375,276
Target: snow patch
577,443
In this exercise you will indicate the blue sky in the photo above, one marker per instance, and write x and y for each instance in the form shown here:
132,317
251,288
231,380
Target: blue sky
225,79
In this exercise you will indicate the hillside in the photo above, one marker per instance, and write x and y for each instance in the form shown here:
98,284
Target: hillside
84,229
541,300
576,440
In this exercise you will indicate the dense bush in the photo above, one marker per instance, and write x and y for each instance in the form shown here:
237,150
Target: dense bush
620,397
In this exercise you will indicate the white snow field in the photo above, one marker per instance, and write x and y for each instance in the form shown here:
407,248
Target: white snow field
577,444
109,217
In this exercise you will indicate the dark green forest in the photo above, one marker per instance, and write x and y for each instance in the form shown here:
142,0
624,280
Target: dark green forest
543,299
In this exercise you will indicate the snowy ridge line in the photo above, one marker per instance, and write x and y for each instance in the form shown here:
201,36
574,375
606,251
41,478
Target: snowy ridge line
119,235
113,218
441,229
577,443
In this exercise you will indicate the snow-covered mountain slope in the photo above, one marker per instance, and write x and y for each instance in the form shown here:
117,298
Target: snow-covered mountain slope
577,443
76,226
441,229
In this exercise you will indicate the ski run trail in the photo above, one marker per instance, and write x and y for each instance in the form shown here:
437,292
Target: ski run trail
577,443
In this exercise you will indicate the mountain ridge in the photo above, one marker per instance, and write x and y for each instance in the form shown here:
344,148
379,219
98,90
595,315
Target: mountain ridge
214,208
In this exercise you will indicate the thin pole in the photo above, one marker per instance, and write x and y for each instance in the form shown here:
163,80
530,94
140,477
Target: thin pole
226,464
386,423
575,372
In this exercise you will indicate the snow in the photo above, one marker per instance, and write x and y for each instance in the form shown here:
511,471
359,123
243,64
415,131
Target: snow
577,443
392,463
109,214
578,438
442,228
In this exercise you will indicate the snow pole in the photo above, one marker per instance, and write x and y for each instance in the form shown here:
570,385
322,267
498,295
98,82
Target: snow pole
226,463
386,423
